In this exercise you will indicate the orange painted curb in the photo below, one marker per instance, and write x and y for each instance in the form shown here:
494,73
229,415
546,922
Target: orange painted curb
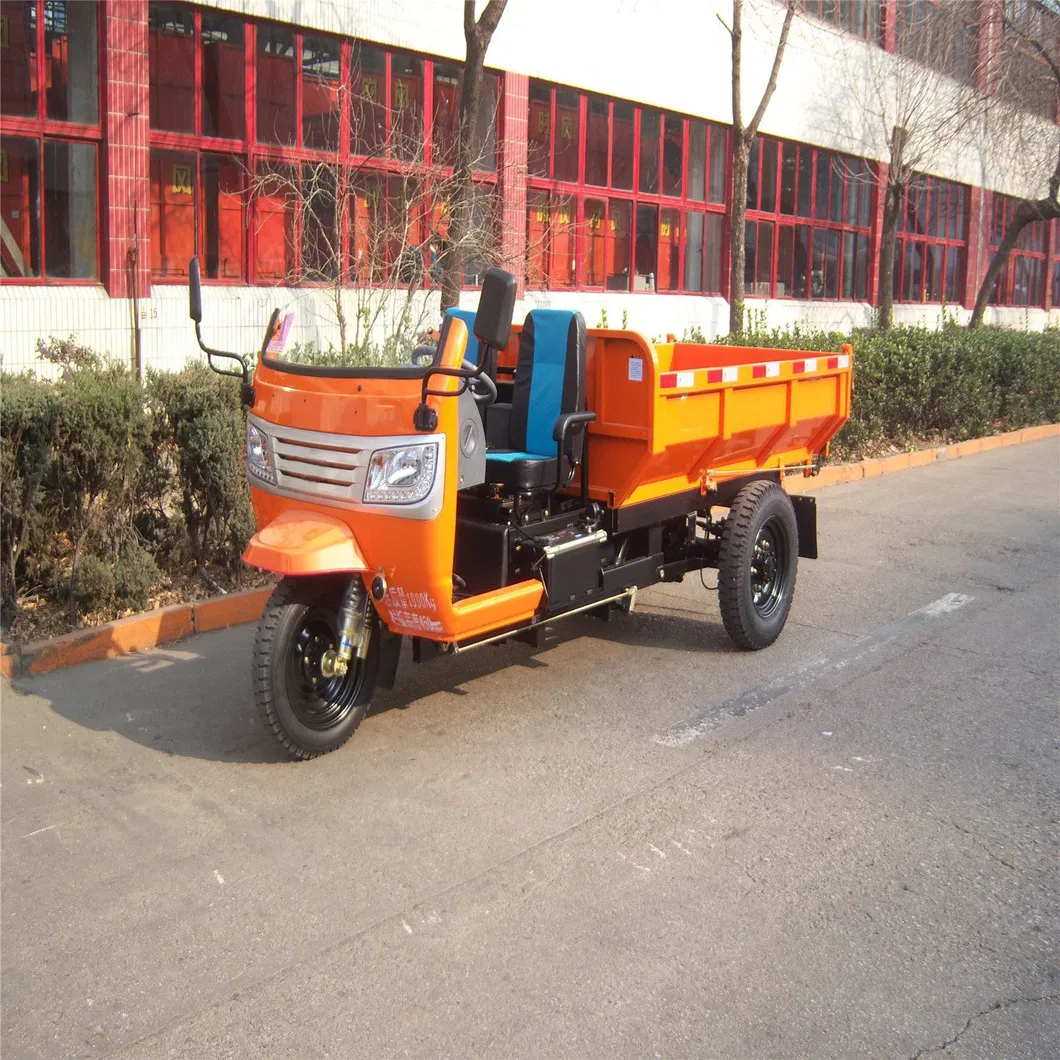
923,457
1034,434
7,665
220,612
106,641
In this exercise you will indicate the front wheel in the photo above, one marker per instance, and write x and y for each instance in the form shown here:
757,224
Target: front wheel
308,712
757,563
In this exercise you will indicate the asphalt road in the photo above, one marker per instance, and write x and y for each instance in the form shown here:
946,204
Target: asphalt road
635,842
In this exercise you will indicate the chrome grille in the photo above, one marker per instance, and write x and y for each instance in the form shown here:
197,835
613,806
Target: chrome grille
322,465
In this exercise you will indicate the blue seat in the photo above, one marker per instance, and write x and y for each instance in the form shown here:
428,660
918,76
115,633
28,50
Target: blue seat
549,383
474,346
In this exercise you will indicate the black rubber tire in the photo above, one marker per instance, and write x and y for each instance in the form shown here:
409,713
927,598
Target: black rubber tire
294,605
761,513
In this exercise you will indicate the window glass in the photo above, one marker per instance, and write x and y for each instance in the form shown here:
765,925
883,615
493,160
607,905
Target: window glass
694,251
788,171
805,196
595,242
406,106
172,213
70,250
823,183
861,272
769,175
566,136
367,106
650,128
622,146
540,136
275,203
645,253
224,95
750,256
320,92
596,141
321,231
849,261
172,65
764,258
669,250
619,243
785,249
537,223
446,112
18,60
406,242
20,208
719,139
367,235
483,227
221,218
753,162
835,206
276,85
673,154
801,262
563,242
853,188
697,160
72,76
712,269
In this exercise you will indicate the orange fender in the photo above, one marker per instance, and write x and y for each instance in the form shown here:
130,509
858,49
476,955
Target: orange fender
305,543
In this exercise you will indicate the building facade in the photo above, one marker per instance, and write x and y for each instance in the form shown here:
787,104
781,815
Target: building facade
302,149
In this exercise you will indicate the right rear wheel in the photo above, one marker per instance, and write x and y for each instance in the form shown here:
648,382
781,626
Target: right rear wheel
757,564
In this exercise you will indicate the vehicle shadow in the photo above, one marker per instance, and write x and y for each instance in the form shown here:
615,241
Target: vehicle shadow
194,698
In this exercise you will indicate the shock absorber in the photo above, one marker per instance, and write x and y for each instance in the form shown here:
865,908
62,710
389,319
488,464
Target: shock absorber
354,631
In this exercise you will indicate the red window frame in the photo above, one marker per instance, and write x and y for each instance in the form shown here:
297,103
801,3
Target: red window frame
354,169
860,18
961,60
1022,281
41,130
932,231
590,219
774,233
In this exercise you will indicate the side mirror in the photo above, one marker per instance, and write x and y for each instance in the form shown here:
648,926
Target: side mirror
496,304
194,291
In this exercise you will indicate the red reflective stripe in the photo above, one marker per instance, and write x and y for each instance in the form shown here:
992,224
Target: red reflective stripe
833,362
759,371
714,375
668,380
798,366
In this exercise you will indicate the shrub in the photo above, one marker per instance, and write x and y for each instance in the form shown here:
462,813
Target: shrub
28,413
199,430
92,582
135,574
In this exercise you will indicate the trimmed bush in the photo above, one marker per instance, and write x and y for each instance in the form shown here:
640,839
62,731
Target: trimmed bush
135,575
93,582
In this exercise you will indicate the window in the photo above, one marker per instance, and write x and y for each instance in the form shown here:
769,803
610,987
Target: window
826,255
320,92
1022,280
666,235
860,17
940,34
929,258
224,91
367,107
277,85
406,107
1021,74
49,141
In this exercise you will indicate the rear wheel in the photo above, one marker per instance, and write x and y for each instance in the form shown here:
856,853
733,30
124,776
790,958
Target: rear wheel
308,712
757,564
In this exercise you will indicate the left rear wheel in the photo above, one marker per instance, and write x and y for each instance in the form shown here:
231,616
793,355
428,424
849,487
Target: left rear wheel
308,712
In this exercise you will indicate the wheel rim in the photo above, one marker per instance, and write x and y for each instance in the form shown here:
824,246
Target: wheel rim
770,568
319,702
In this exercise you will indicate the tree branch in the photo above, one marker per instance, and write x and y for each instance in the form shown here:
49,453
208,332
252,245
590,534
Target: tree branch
771,85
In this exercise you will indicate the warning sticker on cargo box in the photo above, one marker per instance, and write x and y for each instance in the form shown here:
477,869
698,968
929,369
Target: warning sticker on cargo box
636,370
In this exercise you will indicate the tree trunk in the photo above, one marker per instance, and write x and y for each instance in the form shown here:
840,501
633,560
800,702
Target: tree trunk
737,230
477,36
892,205
1027,212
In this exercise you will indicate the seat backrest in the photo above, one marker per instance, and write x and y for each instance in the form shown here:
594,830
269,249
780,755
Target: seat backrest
474,347
549,378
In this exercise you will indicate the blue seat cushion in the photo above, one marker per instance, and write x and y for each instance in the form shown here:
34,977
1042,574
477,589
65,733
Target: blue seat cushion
519,470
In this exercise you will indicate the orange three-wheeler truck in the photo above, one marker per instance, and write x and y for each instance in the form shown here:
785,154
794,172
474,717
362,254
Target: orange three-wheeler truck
410,501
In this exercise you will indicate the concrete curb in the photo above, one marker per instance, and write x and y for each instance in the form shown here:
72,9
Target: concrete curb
152,628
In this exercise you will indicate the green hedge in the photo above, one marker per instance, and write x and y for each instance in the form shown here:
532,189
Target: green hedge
111,486
913,384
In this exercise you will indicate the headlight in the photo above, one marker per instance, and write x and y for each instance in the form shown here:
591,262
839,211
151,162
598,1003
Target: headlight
401,476
259,462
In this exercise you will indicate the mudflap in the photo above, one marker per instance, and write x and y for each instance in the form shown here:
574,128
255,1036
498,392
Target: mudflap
806,524
389,654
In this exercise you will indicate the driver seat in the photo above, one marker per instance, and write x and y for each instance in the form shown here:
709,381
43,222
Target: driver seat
522,451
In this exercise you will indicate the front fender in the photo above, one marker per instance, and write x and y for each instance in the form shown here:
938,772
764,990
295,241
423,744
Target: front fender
299,542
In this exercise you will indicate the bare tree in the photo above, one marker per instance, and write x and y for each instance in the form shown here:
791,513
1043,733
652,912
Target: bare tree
1024,78
477,34
370,239
918,100
743,137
